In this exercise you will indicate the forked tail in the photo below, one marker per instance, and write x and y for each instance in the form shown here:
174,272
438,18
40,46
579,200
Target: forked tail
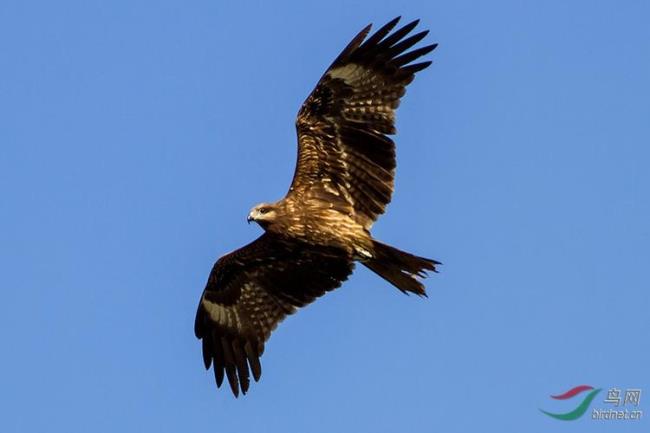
399,268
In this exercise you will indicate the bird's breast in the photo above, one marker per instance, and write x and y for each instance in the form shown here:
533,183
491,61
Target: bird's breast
326,227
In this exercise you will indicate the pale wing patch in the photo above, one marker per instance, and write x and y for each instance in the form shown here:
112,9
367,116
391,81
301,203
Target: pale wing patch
348,73
256,310
226,316
364,253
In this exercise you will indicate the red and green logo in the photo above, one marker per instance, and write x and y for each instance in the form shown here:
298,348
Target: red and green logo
582,407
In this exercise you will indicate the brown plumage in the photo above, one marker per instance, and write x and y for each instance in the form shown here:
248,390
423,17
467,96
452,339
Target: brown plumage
314,235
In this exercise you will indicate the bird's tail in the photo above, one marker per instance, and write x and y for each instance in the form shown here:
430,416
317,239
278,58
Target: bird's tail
399,268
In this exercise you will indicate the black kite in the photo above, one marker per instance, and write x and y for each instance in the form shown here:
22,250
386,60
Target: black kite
315,234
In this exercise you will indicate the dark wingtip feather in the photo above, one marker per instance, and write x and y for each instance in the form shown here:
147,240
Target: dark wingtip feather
399,34
412,55
413,69
407,43
198,323
218,374
363,33
231,371
353,45
242,366
253,361
207,353
218,360
381,33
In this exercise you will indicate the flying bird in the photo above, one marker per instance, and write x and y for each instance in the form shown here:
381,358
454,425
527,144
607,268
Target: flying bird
315,234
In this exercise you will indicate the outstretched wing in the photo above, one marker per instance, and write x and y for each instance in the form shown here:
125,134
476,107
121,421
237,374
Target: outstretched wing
250,291
344,154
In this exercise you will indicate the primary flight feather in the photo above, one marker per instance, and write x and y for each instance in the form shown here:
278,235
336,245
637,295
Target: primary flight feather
315,234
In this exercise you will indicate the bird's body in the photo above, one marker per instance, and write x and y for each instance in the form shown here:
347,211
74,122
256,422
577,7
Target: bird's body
307,220
315,234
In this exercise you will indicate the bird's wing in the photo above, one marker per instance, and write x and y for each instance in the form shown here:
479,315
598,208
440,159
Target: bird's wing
250,291
344,154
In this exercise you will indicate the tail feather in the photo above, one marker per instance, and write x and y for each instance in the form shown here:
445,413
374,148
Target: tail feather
400,268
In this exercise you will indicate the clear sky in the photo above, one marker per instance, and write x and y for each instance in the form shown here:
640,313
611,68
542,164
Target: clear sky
135,136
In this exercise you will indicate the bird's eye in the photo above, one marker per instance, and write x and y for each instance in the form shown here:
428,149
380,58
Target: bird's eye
263,210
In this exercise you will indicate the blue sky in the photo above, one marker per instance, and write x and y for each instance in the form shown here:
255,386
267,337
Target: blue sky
136,136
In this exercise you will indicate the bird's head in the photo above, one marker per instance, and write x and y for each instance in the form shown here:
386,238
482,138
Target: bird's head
263,214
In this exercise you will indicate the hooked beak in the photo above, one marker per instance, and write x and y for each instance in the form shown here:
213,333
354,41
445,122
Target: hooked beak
249,218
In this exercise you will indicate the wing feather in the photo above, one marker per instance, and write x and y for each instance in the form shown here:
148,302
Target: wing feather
343,125
250,291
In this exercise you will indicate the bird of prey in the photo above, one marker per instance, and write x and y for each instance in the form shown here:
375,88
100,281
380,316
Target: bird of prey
315,234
